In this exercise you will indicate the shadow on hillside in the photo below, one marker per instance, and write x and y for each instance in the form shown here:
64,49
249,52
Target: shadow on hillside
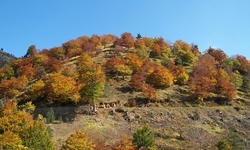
65,114
125,89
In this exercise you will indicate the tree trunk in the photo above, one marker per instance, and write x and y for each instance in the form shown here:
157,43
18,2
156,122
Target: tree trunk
94,108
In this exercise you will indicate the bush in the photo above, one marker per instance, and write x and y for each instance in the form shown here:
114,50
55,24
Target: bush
224,145
50,116
132,103
38,137
143,138
78,141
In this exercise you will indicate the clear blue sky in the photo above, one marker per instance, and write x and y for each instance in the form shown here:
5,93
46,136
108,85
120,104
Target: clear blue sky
221,24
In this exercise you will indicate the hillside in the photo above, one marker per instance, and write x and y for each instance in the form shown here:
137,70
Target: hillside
5,58
110,86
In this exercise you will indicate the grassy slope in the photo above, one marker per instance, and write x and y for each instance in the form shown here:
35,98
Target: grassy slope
166,119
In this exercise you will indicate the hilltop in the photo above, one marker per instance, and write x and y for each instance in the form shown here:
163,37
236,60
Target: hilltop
5,58
109,86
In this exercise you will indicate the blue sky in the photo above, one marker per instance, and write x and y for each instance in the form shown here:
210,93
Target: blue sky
223,24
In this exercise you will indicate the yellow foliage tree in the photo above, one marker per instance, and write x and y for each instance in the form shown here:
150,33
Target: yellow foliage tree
60,89
19,131
134,61
123,70
10,140
36,91
180,75
160,77
78,141
92,79
11,119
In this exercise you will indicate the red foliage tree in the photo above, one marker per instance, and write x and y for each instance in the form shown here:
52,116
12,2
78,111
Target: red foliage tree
127,39
244,64
207,77
218,54
149,92
203,77
137,81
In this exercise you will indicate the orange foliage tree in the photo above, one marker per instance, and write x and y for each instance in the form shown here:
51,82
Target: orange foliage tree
243,68
203,77
107,39
127,39
57,52
72,48
10,88
208,78
27,71
218,54
96,40
149,92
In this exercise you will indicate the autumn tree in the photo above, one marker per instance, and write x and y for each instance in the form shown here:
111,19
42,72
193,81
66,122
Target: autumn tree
70,70
116,66
202,80
52,65
134,61
127,39
183,52
137,81
149,92
10,140
143,53
238,79
139,44
244,64
10,88
126,144
78,141
107,39
57,52
148,41
36,91
28,70
18,130
39,60
156,49
180,45
218,54
180,75
6,72
72,48
160,77
224,87
186,57
195,50
96,40
60,89
123,70
91,78
207,77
